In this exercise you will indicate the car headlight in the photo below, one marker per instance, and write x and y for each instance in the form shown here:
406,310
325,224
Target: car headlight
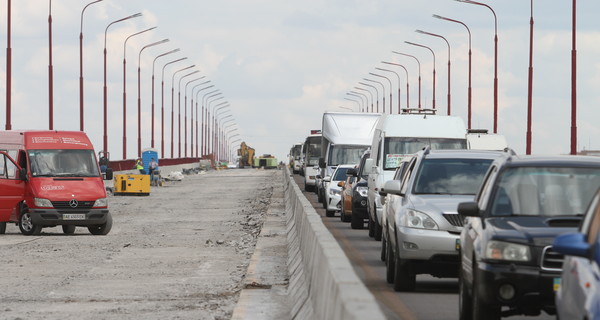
499,250
42,203
334,192
363,191
419,220
102,202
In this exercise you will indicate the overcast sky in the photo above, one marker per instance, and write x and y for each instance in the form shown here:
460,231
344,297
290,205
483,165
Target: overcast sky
281,64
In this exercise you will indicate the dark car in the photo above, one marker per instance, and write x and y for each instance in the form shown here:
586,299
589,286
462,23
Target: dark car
508,265
359,195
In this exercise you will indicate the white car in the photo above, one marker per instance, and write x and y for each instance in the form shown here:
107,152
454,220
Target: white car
333,193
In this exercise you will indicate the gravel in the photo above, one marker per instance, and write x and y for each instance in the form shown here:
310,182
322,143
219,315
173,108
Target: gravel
180,253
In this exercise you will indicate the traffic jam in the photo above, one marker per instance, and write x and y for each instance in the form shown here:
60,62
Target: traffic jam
520,233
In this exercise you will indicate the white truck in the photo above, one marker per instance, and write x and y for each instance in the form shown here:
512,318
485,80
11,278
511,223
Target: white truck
311,152
294,157
346,135
401,135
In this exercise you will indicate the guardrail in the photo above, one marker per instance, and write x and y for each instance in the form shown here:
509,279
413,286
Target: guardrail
323,284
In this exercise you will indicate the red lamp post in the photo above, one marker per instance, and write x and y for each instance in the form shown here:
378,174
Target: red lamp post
152,117
574,82
173,108
419,64
204,124
80,64
447,43
179,111
390,82
469,93
433,53
529,85
50,71
185,113
202,111
162,108
397,76
370,93
407,85
376,93
192,118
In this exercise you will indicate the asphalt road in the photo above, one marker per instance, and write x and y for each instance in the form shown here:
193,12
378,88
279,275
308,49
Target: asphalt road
433,298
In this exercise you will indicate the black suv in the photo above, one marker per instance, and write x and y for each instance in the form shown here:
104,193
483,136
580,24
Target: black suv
508,266
359,194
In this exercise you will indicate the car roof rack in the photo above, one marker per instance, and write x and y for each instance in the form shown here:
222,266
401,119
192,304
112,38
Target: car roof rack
419,111
477,130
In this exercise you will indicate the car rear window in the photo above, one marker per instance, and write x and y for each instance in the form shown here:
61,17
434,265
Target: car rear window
451,176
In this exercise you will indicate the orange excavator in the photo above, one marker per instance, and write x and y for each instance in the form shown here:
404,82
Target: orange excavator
246,155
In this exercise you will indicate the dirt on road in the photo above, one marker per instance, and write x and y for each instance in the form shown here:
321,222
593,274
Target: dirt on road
180,253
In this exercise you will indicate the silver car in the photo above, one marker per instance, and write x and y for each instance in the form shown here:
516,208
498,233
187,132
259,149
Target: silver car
423,225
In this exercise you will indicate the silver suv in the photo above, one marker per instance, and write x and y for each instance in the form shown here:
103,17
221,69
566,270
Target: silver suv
423,225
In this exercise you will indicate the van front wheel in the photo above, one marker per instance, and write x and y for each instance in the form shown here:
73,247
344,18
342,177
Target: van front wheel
26,224
102,229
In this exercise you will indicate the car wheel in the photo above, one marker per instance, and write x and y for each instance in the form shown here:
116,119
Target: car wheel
68,229
403,279
480,310
2,227
389,262
371,227
356,222
102,229
377,231
464,300
324,199
329,213
26,224
319,196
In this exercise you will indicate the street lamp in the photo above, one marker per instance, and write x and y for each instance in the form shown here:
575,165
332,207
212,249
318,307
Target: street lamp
50,71
370,93
185,111
495,59
390,82
220,133
215,128
105,91
407,85
162,108
125,89
152,118
398,76
173,106
433,53
358,103
179,111
376,93
419,64
192,117
202,122
448,43
210,117
362,102
529,85
80,62
574,81
469,89
139,92
382,93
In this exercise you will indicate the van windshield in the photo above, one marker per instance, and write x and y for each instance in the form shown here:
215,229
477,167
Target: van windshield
63,163
396,148
340,154
312,150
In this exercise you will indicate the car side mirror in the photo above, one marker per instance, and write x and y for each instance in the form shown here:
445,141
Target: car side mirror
468,209
327,179
573,244
322,163
369,166
391,186
108,175
23,174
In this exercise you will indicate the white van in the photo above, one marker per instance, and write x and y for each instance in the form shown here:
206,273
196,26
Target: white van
401,135
311,151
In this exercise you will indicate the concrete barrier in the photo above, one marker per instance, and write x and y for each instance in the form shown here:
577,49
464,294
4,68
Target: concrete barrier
323,284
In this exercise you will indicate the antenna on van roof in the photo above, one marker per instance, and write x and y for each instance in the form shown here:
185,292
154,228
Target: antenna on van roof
419,111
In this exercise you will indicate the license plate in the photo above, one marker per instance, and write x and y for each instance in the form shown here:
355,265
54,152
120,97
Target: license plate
556,284
73,216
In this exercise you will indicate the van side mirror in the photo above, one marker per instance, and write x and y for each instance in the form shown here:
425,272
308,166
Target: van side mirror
468,209
369,166
108,175
23,174
322,163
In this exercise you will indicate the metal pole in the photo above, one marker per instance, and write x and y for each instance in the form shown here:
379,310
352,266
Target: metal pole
162,108
433,53
50,71
153,66
407,85
81,66
530,85
419,64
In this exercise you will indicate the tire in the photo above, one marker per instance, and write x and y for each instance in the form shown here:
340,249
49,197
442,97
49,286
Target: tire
102,229
26,225
465,304
377,230
370,226
68,229
2,227
480,310
356,222
329,213
342,212
403,279
384,245
390,263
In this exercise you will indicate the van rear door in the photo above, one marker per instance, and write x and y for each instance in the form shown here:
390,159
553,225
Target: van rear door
12,187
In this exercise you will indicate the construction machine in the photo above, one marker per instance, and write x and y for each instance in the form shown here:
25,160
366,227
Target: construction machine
246,155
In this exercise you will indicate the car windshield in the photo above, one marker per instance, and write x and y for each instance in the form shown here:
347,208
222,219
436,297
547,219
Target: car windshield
313,150
396,148
340,154
451,176
545,191
340,174
63,163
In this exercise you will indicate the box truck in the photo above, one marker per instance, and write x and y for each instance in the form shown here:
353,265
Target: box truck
399,136
346,136
311,152
51,178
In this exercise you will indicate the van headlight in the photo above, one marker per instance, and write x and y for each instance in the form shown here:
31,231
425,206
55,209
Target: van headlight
102,202
363,191
419,220
42,203
499,250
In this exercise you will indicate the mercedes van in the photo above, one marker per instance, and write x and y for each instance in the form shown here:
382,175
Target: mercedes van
51,178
